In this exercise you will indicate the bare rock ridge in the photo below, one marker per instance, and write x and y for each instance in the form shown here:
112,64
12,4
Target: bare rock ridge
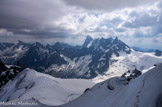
8,73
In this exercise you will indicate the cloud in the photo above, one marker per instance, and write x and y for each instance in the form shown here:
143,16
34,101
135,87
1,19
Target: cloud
4,32
70,21
132,25
146,22
108,5
36,17
141,19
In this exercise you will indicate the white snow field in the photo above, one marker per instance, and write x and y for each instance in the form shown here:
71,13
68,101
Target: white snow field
30,85
143,91
119,65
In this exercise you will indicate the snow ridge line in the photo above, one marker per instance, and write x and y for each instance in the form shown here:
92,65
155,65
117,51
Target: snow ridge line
138,95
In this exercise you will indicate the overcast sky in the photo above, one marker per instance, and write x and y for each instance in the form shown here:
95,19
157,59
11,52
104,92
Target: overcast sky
136,22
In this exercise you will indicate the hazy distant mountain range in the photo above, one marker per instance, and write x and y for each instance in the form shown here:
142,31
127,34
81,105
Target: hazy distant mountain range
95,57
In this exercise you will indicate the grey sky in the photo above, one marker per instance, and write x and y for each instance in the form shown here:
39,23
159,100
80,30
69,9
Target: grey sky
48,21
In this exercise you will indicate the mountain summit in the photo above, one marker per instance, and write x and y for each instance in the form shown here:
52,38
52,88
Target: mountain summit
87,41
95,57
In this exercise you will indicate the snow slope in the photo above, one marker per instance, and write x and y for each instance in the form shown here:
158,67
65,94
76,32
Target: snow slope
30,85
143,91
79,65
123,63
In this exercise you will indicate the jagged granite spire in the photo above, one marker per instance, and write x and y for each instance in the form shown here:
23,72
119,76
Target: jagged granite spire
20,42
87,41
116,40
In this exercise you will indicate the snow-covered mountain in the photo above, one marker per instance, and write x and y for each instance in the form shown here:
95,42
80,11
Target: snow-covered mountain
143,91
32,86
91,59
10,52
135,87
135,60
96,58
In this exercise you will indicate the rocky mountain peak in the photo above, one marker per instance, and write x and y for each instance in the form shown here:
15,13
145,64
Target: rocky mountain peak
87,41
20,42
116,40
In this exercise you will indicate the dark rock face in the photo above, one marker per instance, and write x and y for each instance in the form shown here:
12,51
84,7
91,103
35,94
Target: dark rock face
87,41
158,53
131,74
86,61
2,66
3,46
7,74
12,52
